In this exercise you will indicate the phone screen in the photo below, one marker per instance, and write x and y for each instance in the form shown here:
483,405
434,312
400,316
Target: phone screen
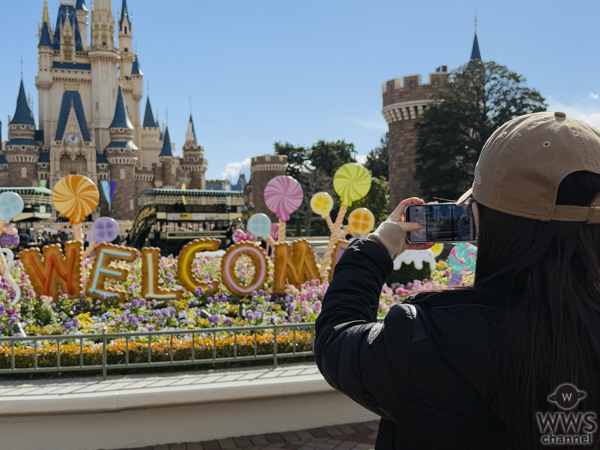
444,222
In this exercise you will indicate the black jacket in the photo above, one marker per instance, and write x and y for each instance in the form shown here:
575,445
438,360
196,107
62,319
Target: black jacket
426,370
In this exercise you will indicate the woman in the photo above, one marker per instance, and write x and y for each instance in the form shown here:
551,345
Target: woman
476,368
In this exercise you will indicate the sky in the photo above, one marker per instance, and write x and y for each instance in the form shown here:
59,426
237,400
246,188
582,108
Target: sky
298,71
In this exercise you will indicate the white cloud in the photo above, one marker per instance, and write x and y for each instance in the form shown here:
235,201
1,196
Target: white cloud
361,159
589,114
594,96
233,170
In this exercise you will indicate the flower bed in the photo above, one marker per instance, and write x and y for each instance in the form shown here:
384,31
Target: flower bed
35,315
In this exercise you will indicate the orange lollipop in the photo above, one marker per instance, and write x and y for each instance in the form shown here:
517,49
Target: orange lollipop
76,197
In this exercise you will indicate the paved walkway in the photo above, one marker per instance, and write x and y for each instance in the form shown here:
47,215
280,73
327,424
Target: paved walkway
341,437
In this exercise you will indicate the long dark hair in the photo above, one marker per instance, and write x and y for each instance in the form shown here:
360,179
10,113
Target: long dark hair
550,273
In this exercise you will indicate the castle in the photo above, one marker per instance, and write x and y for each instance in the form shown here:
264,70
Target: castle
89,94
403,102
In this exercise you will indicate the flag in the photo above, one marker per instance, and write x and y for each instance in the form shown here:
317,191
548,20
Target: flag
106,190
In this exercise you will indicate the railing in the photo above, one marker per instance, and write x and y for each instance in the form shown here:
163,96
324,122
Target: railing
152,349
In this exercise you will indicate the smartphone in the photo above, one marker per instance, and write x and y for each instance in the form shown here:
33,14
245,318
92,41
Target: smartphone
444,222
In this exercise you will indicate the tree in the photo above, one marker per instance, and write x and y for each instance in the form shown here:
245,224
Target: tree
329,156
377,159
479,97
376,200
297,158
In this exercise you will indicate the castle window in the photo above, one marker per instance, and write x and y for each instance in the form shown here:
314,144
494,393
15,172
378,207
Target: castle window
23,172
122,173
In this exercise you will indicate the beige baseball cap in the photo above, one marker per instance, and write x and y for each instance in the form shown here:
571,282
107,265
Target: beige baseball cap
524,161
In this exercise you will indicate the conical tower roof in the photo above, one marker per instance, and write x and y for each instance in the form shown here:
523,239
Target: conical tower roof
149,121
121,119
167,150
23,115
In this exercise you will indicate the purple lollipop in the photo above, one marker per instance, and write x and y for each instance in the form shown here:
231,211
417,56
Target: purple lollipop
105,229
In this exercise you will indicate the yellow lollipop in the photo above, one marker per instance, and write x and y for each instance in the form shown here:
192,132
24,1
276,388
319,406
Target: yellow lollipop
75,196
437,249
321,203
360,221
351,182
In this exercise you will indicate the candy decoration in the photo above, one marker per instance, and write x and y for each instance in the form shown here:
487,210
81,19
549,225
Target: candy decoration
283,195
462,260
10,237
261,268
259,225
7,258
437,249
322,203
360,221
11,205
104,229
75,196
351,182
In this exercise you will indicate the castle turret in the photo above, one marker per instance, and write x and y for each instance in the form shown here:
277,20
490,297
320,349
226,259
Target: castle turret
125,41
169,163
82,18
263,169
44,79
122,156
103,57
151,138
193,165
22,150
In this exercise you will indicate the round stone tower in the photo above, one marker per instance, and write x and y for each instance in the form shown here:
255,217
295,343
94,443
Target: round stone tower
403,102
263,169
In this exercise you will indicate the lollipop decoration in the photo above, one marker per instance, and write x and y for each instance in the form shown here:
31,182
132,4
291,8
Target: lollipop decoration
75,196
11,205
260,226
104,230
360,221
321,204
7,258
351,182
283,195
462,260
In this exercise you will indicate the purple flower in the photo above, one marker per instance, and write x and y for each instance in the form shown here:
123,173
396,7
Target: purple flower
249,315
1,326
296,318
199,290
135,303
131,317
31,293
227,321
134,322
143,302
261,292
268,298
213,319
254,293
76,322
141,318
150,328
68,325
209,300
223,299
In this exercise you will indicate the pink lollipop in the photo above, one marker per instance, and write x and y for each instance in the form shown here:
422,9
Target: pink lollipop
283,196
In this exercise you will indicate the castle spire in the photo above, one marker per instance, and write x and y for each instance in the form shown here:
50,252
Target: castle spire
46,14
148,116
125,16
135,68
23,115
121,119
475,54
191,133
167,149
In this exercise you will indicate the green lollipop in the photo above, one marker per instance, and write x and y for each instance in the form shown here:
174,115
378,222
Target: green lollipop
351,182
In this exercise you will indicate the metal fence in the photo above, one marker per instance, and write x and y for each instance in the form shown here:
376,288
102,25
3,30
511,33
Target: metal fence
143,350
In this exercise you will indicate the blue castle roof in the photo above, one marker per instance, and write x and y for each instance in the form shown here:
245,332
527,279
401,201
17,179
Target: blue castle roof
63,11
475,54
193,130
23,115
3,159
121,119
80,6
45,40
149,121
124,15
23,142
136,69
101,158
72,99
167,150
44,157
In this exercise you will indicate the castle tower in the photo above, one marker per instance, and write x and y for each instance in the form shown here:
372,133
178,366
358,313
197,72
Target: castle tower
104,58
125,42
151,138
22,150
169,164
82,18
44,79
263,169
194,165
122,157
